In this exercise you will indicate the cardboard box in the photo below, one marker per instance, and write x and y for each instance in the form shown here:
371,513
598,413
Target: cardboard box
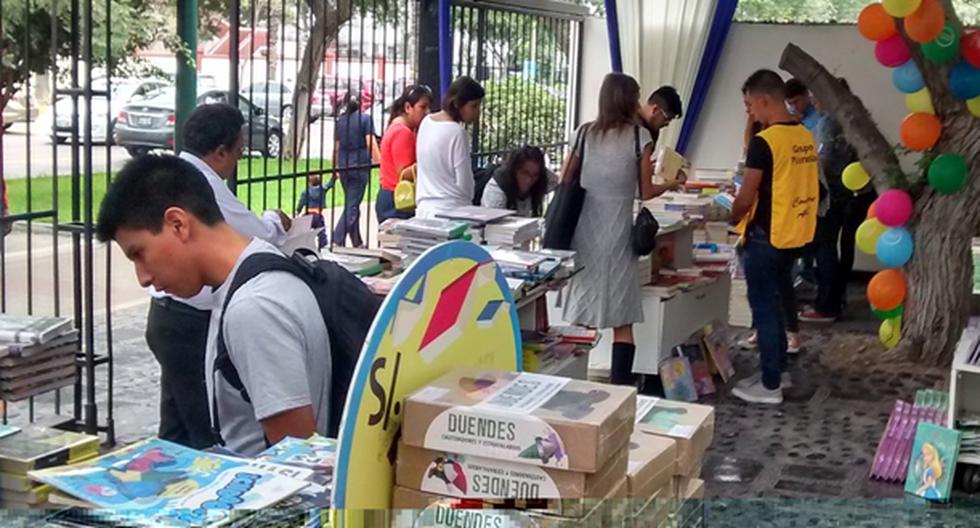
526,418
651,464
680,485
473,477
653,512
690,424
690,507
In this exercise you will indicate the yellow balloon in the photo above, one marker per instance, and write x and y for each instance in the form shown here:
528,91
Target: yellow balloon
901,8
890,332
974,106
868,233
920,102
855,177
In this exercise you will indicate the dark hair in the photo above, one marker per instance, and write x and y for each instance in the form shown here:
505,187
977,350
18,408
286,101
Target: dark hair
149,185
211,126
412,95
351,104
843,82
506,178
461,91
795,88
666,97
765,82
619,97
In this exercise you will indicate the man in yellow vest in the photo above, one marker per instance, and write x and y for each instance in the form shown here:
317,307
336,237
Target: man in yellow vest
776,213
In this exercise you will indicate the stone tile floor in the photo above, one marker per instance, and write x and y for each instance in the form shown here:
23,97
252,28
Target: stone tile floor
803,463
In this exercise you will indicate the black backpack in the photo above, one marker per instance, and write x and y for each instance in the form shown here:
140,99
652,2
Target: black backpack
348,308
481,178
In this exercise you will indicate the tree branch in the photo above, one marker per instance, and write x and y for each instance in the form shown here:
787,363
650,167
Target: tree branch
877,156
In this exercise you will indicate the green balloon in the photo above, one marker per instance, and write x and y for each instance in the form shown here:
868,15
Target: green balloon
890,314
947,173
945,47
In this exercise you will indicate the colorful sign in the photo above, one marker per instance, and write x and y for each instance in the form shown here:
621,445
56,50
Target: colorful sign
451,308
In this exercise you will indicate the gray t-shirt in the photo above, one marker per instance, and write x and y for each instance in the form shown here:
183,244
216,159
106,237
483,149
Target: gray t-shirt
276,338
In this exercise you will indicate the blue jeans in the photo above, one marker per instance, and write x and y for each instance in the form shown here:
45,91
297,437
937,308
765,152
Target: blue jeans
354,184
765,268
384,206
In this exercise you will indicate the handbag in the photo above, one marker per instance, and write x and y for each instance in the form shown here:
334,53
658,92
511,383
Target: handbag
405,195
643,235
566,208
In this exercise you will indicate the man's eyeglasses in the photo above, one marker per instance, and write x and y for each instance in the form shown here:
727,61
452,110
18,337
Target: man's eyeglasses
667,117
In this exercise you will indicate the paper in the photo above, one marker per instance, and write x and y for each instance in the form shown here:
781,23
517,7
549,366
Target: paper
301,235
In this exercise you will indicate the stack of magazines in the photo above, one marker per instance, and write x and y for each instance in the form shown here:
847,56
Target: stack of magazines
417,235
512,231
37,355
35,448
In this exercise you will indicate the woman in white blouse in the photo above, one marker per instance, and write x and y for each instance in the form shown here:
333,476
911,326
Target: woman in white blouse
521,183
445,167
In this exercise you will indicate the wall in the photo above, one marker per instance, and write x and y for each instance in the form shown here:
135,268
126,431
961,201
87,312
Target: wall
717,142
595,64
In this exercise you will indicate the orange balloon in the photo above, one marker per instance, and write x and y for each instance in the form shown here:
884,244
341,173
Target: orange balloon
926,23
875,23
886,291
873,209
920,131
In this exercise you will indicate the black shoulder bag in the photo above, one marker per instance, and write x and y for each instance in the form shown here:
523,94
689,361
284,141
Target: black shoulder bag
643,236
563,213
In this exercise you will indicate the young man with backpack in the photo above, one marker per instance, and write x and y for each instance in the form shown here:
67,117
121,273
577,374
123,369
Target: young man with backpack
274,366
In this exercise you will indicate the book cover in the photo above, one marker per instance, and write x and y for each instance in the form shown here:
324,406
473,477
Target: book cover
678,380
9,352
41,447
669,164
475,214
932,463
32,329
716,343
170,485
699,367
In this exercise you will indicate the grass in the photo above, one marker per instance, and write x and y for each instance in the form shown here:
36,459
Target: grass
279,193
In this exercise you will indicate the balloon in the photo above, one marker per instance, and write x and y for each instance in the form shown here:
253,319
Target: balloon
855,177
886,291
892,52
890,332
945,47
894,208
907,78
947,173
974,106
970,46
901,8
894,247
920,131
920,102
964,81
873,210
867,235
875,23
926,23
890,314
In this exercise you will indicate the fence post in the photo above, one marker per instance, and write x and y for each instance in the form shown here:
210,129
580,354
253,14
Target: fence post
186,68
428,49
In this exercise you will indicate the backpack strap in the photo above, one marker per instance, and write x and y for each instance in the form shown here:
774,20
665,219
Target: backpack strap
253,266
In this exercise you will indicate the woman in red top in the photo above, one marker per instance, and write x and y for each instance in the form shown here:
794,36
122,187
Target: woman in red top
398,147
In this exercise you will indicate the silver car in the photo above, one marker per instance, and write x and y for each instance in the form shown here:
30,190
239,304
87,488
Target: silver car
104,112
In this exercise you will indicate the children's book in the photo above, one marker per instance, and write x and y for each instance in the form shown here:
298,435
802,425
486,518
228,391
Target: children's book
316,455
171,485
41,447
716,343
32,329
678,381
932,463
699,367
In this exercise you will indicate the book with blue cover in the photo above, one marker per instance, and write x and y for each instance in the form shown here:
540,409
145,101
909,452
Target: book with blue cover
167,484
932,462
316,455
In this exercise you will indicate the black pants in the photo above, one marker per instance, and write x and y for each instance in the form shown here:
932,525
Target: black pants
177,335
835,250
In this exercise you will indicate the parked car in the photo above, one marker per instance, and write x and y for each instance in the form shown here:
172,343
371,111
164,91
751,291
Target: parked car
147,125
124,91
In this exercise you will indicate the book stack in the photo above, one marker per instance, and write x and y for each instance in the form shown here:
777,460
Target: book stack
968,423
739,311
475,215
891,460
37,355
512,232
553,449
417,235
390,258
36,448
362,266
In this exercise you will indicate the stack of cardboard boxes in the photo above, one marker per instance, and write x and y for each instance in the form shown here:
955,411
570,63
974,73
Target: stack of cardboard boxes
554,449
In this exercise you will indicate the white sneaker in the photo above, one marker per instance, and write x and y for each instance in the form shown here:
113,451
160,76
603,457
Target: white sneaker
785,382
751,342
757,393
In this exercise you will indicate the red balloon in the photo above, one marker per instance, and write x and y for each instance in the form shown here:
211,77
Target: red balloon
970,46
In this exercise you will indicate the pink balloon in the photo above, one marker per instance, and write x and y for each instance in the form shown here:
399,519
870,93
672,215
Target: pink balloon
892,52
894,208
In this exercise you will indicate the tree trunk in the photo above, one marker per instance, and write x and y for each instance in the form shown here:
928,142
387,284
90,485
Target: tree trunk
328,15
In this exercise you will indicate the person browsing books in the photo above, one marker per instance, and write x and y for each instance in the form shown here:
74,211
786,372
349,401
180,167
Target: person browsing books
445,167
166,220
176,327
398,147
520,184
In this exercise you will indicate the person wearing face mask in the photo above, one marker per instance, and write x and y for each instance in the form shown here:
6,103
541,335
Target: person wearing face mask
520,184
398,147
445,167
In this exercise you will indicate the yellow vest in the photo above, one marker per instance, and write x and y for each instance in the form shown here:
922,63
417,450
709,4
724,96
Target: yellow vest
795,187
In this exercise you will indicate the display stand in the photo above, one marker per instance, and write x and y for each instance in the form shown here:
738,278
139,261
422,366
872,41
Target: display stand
964,396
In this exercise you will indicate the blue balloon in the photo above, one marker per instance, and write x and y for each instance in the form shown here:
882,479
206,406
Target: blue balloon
907,78
894,247
964,81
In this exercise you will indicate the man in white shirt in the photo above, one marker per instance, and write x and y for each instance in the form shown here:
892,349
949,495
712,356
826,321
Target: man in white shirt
177,327
166,220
